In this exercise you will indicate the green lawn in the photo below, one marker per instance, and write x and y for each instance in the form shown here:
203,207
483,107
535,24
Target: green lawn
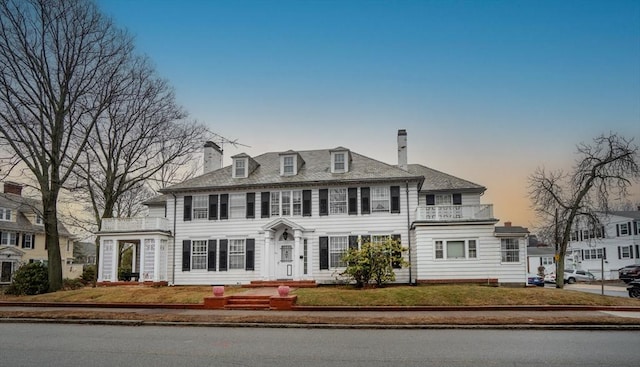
432,295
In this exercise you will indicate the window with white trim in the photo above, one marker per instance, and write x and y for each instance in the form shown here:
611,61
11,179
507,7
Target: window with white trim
443,199
625,252
624,229
456,249
240,167
510,250
9,238
286,203
288,165
546,260
592,254
199,255
28,241
380,199
337,201
39,220
337,248
338,162
237,205
5,214
200,207
236,254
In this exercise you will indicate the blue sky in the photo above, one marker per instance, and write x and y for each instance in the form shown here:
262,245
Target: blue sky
487,90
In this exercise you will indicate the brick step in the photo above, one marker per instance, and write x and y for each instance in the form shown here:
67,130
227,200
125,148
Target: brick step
247,307
248,301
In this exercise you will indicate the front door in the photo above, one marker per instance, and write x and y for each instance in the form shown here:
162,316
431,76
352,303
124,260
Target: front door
5,272
284,259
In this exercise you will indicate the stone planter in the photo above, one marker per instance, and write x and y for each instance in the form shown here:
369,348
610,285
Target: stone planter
283,290
218,290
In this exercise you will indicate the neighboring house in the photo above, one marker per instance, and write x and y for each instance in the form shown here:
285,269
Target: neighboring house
617,242
22,236
84,253
541,255
292,215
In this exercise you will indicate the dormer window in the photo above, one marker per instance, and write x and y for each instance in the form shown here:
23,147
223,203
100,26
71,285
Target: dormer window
288,165
239,168
339,161
5,214
39,220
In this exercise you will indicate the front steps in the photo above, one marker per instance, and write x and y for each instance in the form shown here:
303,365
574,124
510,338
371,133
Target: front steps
248,302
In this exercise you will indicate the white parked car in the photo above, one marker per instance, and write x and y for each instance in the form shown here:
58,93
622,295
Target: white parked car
573,275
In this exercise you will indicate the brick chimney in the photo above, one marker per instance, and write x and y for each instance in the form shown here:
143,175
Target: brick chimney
12,188
402,150
212,157
507,224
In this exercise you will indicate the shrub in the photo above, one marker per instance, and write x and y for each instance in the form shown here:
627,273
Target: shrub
29,279
374,262
70,284
88,274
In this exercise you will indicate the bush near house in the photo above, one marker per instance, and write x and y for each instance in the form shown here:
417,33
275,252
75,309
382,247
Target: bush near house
29,279
374,262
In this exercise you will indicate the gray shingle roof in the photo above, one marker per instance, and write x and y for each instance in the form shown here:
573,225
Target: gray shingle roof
440,181
511,230
316,170
633,214
20,206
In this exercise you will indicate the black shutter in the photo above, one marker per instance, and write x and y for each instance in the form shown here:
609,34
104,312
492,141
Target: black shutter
264,204
635,228
619,253
364,201
324,202
581,254
395,199
631,252
223,256
306,203
604,253
211,258
213,207
250,254
353,242
617,230
324,253
457,199
353,200
224,206
397,255
187,208
431,199
251,205
23,239
630,229
637,250
186,255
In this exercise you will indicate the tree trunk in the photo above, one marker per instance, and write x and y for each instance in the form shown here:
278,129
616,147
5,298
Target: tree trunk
52,242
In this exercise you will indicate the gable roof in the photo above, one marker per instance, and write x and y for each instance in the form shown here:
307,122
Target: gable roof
315,170
440,181
633,214
22,206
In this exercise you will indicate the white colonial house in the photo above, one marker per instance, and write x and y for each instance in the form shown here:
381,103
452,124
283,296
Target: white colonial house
606,249
292,215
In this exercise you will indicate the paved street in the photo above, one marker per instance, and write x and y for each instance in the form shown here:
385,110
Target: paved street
609,290
67,345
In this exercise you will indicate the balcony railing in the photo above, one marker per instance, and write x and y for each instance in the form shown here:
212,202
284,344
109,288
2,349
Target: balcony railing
135,224
444,213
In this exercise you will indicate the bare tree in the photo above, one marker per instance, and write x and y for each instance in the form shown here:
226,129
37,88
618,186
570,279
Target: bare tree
60,62
144,130
604,170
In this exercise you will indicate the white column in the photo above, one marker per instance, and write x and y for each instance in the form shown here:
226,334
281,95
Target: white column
309,259
266,255
134,266
297,262
114,254
101,262
142,256
156,259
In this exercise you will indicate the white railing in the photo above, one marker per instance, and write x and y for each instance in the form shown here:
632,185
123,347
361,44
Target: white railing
454,212
135,224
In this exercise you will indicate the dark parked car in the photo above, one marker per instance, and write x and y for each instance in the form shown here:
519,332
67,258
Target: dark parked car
634,288
629,273
535,279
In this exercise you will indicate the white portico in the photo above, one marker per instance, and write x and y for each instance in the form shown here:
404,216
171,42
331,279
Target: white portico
286,252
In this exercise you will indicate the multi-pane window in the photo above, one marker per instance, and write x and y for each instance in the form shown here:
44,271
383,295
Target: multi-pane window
380,199
287,165
338,162
624,229
443,199
337,201
236,254
337,248
28,240
286,253
200,205
240,168
547,260
286,203
237,204
39,220
592,254
625,252
510,249
456,249
5,214
199,255
9,238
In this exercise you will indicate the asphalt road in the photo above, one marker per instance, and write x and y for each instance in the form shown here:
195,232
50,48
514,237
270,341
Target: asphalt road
90,345
609,290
